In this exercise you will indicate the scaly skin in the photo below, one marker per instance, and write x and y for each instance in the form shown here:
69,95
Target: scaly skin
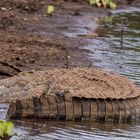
66,108
71,94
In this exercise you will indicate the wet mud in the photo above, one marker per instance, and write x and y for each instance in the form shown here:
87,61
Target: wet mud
31,39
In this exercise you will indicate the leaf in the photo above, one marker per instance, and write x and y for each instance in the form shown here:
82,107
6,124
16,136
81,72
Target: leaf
106,3
5,128
9,127
50,9
2,128
113,5
99,4
97,1
92,2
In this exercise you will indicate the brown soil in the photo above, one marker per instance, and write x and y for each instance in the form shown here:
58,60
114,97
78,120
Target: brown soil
30,39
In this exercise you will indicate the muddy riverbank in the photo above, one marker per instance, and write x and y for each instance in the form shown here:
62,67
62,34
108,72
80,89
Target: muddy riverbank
30,39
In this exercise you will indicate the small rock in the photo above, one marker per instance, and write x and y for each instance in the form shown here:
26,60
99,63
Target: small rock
3,9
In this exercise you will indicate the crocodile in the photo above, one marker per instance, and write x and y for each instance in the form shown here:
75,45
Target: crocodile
71,94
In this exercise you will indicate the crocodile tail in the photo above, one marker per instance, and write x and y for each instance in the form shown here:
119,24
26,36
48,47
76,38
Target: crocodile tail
107,110
64,107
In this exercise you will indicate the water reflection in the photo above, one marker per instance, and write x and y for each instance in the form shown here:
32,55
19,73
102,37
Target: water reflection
107,51
76,130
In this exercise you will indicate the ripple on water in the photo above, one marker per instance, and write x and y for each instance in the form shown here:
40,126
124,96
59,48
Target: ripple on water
76,131
3,110
107,52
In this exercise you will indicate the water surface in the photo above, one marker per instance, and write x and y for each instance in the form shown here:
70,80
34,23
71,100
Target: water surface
76,131
107,51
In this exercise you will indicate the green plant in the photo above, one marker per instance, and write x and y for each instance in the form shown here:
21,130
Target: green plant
50,9
5,130
103,3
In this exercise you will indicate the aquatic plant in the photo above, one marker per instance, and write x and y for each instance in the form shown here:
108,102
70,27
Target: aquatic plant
5,130
50,9
103,3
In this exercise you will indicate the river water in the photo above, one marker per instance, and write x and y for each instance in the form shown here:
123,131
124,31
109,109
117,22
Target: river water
106,53
76,131
109,54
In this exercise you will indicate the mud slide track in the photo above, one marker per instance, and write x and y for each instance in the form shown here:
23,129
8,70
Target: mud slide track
71,94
